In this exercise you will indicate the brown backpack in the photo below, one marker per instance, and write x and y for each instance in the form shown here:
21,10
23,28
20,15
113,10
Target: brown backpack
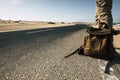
98,45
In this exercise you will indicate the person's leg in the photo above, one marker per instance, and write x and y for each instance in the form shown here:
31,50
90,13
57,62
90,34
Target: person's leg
103,13
100,44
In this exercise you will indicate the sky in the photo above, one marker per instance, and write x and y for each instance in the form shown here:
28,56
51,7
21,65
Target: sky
53,10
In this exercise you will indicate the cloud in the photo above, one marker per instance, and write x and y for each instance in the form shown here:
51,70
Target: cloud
16,2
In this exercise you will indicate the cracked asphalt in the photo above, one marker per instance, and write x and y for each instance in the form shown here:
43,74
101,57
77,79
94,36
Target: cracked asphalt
40,56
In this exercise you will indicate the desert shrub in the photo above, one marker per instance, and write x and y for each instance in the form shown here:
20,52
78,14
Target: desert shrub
50,22
62,22
0,20
4,22
10,21
16,21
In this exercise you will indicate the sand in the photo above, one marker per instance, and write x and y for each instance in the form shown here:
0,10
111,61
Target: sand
28,26
117,42
117,39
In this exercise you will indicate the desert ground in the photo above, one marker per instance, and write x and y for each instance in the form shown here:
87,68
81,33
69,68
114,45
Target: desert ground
117,40
17,52
10,25
7,25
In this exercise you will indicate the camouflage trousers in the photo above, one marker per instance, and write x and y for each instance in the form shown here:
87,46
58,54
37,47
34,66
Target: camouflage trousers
103,13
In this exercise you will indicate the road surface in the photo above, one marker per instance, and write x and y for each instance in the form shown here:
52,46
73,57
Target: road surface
39,55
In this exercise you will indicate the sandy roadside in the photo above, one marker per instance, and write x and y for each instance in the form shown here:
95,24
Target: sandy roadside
18,27
117,42
117,39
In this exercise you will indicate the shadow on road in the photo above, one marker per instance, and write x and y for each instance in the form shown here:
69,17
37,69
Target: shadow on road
115,60
111,61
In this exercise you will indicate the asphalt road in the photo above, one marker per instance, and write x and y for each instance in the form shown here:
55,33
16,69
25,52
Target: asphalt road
39,55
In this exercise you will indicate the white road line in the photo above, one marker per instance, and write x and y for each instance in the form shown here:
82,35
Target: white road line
32,32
